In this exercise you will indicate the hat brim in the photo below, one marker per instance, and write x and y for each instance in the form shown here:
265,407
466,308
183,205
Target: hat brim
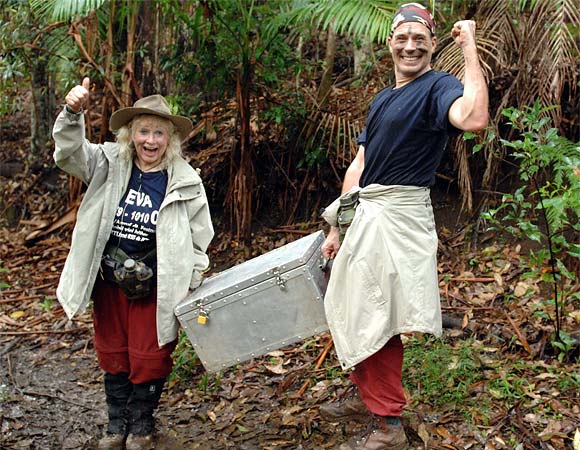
123,116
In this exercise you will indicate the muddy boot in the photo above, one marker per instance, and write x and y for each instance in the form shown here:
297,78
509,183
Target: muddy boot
118,388
142,403
348,407
379,436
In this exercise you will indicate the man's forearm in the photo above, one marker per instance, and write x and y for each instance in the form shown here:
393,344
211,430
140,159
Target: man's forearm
475,94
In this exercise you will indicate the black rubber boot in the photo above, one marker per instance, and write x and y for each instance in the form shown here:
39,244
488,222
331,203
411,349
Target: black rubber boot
141,406
118,389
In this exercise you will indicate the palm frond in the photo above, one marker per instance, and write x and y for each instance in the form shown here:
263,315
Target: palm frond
363,18
495,41
65,9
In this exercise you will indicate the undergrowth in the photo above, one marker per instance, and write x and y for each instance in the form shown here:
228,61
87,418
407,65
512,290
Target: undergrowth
466,376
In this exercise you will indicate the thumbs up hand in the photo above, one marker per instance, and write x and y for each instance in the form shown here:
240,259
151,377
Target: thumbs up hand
78,96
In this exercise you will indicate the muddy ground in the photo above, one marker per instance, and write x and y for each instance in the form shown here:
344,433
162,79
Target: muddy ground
51,398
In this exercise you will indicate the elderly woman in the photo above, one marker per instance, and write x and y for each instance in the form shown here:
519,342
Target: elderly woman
138,246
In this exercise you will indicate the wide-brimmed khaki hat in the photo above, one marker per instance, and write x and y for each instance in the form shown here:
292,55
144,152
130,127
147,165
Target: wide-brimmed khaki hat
155,105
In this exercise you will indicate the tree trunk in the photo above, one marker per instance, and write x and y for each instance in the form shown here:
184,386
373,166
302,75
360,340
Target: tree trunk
240,193
129,84
327,78
362,54
147,36
41,110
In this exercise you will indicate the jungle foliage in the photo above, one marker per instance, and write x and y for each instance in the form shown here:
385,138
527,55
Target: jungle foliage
273,87
266,81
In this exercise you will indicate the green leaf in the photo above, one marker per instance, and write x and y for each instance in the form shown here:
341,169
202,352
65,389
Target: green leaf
574,250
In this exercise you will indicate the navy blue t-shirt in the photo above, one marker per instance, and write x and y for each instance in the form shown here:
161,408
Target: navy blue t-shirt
136,219
407,130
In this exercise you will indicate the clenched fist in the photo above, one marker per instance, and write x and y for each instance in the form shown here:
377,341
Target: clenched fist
78,96
463,33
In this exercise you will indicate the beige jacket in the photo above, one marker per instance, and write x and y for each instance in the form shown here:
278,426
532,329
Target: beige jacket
384,278
184,227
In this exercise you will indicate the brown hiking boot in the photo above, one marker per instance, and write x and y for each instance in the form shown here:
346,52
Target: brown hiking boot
379,436
135,442
348,407
111,442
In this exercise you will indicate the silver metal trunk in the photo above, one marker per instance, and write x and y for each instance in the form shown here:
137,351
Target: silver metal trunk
261,305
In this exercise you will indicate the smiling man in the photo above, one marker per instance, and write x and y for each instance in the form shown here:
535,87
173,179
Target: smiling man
384,278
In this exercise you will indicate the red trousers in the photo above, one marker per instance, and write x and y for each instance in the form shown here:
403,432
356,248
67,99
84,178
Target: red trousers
126,335
378,379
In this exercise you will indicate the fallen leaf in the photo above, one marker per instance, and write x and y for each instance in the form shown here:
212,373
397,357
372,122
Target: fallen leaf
577,439
276,368
546,375
441,431
522,289
424,434
17,314
575,315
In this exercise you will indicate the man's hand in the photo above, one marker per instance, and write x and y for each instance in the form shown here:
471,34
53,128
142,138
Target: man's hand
78,96
463,33
331,244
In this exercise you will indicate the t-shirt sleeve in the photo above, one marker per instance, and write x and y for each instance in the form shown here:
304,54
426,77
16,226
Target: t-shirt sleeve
445,91
362,138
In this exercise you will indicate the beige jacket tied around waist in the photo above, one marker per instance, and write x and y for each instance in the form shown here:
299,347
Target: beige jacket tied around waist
384,278
184,229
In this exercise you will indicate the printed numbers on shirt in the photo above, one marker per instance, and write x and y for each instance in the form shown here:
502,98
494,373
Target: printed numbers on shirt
139,216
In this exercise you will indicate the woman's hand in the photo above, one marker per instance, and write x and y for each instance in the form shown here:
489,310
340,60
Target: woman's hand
78,96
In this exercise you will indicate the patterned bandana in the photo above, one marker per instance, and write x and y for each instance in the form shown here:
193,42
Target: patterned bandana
413,12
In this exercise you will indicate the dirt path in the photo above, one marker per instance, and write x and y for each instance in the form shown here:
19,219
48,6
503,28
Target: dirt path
51,398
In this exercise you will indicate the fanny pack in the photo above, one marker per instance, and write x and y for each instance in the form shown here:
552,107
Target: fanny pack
134,274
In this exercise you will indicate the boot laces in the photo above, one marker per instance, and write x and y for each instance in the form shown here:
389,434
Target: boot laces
349,393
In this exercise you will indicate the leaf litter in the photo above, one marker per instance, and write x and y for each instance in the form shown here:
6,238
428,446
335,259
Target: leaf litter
51,395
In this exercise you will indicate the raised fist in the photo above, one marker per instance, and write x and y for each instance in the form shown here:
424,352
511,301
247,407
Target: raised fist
463,33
